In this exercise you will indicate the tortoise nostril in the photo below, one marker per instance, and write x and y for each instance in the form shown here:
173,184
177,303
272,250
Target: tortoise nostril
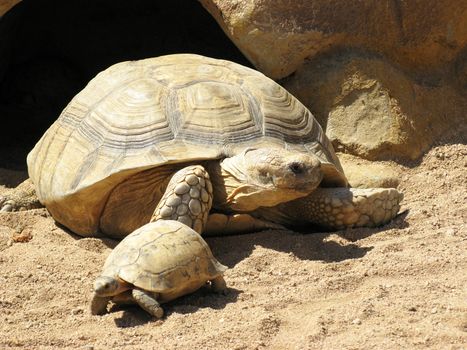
297,168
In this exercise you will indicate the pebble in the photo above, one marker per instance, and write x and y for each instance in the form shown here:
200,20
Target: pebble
77,311
208,186
336,202
450,232
198,226
186,198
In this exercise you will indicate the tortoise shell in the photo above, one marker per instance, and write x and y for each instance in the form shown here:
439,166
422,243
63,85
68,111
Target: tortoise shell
181,108
166,257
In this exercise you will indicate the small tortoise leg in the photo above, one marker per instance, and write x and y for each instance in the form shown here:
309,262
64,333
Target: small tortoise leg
188,198
99,304
339,208
22,197
218,285
148,302
221,224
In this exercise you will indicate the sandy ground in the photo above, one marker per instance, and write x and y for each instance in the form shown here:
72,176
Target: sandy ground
402,286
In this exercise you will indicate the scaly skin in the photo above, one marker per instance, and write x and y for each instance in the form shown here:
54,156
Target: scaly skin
187,198
218,285
148,302
23,197
99,304
337,208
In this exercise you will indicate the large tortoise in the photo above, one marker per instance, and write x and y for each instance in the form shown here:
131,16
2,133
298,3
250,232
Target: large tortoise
105,164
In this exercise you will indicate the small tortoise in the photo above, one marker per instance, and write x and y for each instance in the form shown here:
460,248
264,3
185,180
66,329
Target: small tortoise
155,264
106,163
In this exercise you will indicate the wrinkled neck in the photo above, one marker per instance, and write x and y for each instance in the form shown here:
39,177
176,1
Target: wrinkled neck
226,176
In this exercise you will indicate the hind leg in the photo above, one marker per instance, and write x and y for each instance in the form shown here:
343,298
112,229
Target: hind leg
20,198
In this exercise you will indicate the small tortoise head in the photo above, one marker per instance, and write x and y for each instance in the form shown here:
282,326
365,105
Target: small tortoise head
108,286
265,177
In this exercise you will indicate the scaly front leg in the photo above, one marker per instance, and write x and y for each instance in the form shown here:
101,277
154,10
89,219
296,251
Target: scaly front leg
188,198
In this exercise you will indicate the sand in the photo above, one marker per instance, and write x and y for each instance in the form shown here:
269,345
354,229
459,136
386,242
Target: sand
401,286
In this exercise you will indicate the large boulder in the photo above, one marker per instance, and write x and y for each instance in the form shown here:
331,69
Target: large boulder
373,109
386,79
363,173
279,35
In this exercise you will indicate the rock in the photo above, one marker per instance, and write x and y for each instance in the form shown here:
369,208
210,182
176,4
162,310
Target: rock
372,109
400,92
362,173
279,35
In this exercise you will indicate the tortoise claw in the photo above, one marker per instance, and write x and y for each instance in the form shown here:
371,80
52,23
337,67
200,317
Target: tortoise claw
7,206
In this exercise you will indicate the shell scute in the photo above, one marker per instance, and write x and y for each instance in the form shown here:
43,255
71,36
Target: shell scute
162,256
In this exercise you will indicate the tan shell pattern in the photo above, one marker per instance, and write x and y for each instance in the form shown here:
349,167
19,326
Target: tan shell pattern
163,256
171,109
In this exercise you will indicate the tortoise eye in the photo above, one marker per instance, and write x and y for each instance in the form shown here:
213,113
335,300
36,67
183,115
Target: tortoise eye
264,177
297,168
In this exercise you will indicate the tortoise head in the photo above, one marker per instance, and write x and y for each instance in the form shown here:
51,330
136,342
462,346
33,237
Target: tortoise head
265,177
105,286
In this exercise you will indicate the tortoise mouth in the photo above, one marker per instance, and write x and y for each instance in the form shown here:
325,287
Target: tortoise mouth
251,197
297,177
301,182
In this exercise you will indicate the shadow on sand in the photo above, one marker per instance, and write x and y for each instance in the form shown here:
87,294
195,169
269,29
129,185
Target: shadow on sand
230,250
134,316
